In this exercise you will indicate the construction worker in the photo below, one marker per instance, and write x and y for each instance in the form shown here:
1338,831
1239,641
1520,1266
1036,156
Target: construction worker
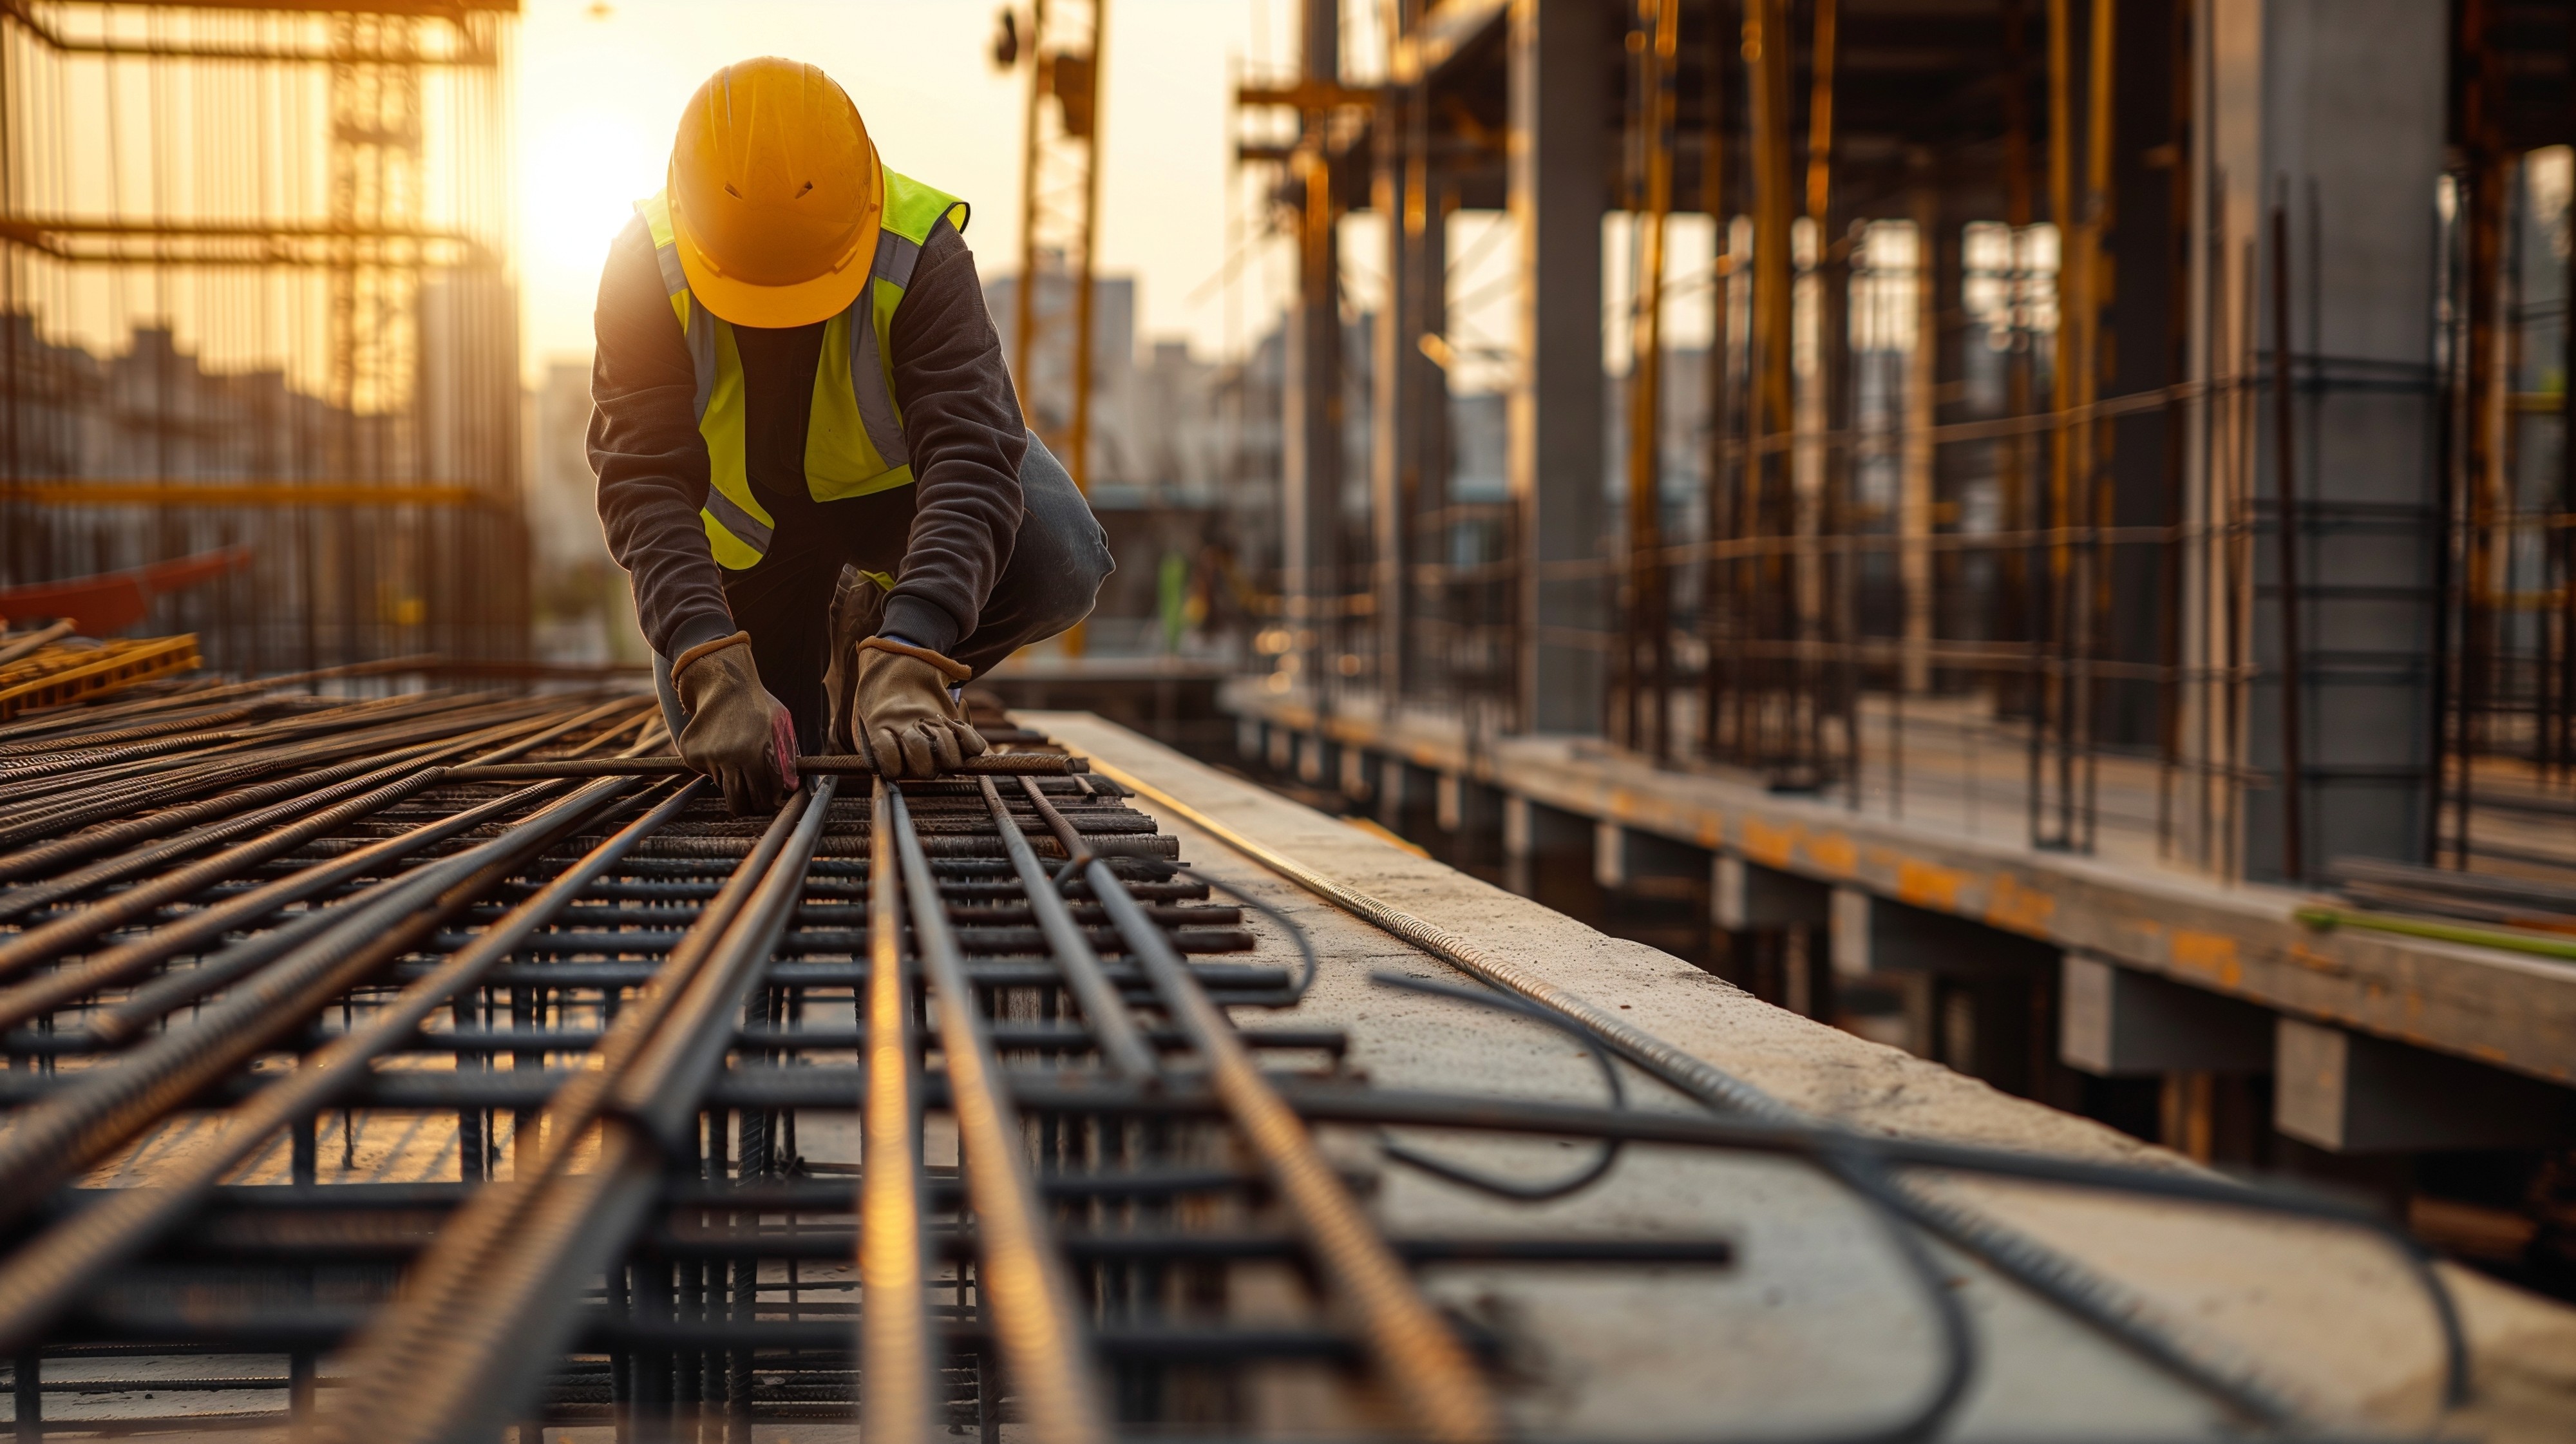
811,460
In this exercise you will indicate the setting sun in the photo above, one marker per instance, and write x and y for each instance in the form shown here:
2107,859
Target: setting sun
584,174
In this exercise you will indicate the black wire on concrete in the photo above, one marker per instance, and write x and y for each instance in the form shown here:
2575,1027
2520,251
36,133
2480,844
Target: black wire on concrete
1573,1183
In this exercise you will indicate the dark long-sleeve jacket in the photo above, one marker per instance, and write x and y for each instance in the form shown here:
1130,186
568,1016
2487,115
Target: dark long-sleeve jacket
961,419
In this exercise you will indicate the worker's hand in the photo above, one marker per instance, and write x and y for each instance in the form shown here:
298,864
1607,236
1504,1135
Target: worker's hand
736,733
906,721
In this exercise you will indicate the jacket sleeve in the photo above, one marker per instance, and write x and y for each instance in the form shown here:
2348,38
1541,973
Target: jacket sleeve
961,419
648,455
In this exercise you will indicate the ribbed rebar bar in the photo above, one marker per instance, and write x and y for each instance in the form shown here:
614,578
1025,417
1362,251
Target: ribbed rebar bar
1021,1276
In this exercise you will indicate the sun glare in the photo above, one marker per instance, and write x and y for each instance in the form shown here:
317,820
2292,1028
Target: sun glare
584,174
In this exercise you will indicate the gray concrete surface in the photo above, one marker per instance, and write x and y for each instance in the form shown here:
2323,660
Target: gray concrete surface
2503,1009
1816,1328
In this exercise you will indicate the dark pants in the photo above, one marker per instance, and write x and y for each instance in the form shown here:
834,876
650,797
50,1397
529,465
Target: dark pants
1058,562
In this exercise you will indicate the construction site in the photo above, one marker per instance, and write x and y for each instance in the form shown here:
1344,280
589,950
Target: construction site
1829,720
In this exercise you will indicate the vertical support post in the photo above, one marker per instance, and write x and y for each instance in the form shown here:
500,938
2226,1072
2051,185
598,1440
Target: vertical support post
1649,676
2101,501
2017,691
2484,487
1392,404
1914,506
1761,577
2285,522
1557,187
1066,50
1722,470
2052,724
2558,746
27,1397
2350,97
1428,201
1824,599
1311,459
1086,101
1024,300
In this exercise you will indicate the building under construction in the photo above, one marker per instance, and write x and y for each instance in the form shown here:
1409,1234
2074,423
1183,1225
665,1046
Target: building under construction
255,281
1966,829
2102,562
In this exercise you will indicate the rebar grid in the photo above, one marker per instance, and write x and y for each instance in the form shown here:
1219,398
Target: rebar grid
922,1102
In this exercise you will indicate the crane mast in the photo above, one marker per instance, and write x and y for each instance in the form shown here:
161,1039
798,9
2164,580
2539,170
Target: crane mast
1051,335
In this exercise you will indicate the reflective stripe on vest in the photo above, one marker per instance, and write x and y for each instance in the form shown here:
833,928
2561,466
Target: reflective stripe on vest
854,442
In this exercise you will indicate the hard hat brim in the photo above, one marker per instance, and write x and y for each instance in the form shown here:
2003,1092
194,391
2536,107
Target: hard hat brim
801,304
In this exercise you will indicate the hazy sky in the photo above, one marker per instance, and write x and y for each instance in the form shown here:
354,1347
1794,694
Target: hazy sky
601,86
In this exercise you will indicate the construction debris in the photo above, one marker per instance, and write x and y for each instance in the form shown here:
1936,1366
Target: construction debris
51,668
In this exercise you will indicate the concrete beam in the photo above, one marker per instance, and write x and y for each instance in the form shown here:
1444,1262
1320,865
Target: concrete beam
2292,1300
1354,774
1875,937
1394,793
1746,896
1558,174
1314,753
2348,1093
1627,860
2244,941
2117,1022
1539,839
1466,809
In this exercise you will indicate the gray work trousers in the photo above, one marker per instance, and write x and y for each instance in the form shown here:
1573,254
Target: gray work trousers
1058,562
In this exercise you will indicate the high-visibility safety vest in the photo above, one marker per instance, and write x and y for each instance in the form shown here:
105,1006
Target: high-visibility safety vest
854,442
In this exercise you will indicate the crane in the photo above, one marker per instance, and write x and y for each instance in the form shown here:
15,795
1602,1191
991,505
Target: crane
1063,45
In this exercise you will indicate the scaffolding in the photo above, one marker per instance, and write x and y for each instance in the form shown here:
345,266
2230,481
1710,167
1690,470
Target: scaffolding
256,293
1971,510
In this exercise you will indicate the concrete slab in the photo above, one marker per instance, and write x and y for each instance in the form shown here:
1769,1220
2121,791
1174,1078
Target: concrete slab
1815,1329
2507,1010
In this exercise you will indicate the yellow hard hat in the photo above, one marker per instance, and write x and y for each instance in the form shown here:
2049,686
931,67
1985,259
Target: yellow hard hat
775,194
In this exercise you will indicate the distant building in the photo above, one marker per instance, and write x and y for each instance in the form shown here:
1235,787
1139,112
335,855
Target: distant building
563,495
585,610
1047,392
327,582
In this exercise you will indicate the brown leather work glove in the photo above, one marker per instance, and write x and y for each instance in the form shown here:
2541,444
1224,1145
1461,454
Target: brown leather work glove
906,721
736,733
858,607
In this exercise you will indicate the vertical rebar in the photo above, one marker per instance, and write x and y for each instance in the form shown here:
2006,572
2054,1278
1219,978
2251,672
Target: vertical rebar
2286,520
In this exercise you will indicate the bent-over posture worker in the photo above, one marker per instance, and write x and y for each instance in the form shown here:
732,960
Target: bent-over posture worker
811,460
